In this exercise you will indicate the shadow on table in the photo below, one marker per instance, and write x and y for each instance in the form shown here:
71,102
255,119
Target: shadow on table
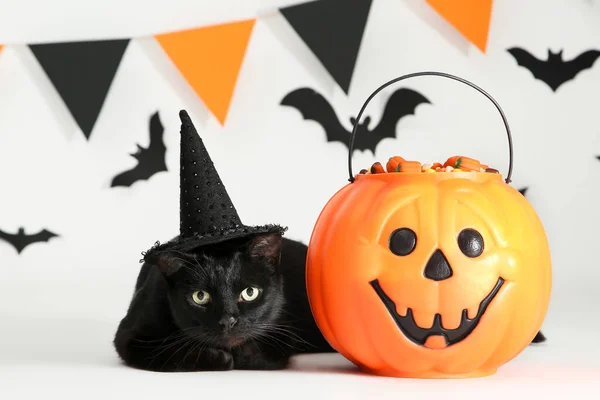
332,363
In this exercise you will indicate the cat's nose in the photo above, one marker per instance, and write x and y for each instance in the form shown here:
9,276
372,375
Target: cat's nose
227,322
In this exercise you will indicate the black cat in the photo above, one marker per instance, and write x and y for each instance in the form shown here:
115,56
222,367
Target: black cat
238,304
222,294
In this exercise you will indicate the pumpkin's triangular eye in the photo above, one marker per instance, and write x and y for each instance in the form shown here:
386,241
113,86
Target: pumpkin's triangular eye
403,241
470,242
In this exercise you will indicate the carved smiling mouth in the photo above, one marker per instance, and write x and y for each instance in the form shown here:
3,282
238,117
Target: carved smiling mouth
419,335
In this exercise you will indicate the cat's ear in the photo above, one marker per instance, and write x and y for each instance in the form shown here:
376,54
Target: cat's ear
266,248
168,262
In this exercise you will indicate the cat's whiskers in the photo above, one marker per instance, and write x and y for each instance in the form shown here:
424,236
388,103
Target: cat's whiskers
167,344
195,345
202,341
174,335
264,339
182,340
205,344
200,272
279,340
202,347
291,314
285,331
255,339
271,334
188,265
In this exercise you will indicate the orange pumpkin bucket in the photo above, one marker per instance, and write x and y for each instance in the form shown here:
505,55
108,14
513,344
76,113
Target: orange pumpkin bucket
429,275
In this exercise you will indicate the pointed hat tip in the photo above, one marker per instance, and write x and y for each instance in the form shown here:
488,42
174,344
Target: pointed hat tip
184,117
187,126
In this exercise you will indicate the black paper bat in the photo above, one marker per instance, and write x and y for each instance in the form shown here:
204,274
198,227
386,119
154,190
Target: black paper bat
523,191
20,240
151,160
313,106
539,338
554,71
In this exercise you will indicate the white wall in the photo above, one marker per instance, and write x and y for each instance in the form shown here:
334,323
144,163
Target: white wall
51,177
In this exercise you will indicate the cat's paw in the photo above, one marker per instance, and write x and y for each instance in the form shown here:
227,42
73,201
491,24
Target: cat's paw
219,360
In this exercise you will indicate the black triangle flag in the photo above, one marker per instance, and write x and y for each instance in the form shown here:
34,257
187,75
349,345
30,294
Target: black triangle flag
82,73
333,31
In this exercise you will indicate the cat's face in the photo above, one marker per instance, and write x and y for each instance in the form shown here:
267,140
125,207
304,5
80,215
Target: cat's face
226,294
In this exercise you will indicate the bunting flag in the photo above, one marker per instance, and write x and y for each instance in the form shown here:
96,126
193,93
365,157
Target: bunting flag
82,73
470,17
333,32
210,59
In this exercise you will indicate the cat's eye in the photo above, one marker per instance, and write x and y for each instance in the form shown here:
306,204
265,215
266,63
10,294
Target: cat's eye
249,294
201,297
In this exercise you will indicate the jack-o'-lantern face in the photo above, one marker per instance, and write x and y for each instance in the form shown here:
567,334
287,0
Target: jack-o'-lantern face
429,275
441,331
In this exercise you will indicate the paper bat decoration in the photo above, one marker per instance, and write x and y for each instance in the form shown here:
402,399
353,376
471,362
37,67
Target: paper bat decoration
554,71
523,191
20,240
539,338
151,160
313,106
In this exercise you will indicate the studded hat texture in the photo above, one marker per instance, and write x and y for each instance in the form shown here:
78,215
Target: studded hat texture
206,213
204,205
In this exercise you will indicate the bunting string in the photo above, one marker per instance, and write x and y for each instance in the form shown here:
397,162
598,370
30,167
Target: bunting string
210,57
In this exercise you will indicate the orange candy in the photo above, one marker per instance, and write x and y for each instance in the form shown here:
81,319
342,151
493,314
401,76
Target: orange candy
377,168
393,162
463,163
409,166
454,164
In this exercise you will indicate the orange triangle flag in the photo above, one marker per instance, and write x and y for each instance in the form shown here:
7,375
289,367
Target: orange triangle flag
210,59
470,17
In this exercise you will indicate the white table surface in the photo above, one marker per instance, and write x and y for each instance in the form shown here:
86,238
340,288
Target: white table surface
72,358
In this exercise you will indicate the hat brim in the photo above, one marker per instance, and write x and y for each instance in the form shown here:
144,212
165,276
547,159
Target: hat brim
197,241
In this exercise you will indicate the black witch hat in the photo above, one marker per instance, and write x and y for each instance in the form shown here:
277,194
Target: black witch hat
206,212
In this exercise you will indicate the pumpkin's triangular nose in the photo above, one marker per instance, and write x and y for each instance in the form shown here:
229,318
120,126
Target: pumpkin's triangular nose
437,267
